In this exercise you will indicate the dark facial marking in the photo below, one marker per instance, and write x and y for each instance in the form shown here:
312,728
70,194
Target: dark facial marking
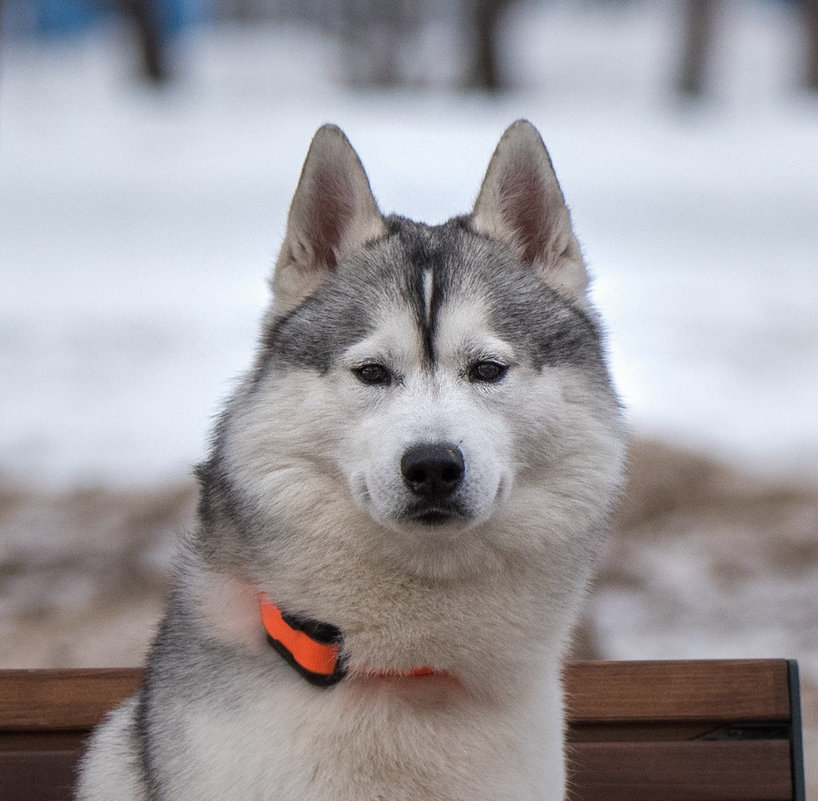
542,326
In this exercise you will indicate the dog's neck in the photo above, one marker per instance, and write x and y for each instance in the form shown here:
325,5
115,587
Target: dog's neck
315,649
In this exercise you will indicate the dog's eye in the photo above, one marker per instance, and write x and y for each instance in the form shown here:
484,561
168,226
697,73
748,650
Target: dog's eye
487,372
372,374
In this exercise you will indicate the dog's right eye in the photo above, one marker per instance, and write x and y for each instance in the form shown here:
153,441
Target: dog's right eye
487,372
372,374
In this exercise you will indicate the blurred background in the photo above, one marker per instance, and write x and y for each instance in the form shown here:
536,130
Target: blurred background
148,153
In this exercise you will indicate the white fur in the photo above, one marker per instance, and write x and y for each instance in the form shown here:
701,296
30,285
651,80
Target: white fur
487,602
110,767
426,407
428,283
483,735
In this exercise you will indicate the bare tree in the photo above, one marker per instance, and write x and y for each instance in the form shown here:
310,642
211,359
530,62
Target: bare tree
699,23
810,21
484,24
150,36
374,34
698,32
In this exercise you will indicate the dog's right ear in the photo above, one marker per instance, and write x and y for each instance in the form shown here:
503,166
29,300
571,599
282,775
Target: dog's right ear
333,212
521,203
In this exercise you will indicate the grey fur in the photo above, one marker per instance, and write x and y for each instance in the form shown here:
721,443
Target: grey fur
536,318
389,337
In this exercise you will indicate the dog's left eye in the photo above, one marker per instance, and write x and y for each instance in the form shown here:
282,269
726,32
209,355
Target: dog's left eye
487,372
372,374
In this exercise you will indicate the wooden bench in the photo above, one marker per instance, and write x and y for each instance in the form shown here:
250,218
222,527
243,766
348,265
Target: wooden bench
638,731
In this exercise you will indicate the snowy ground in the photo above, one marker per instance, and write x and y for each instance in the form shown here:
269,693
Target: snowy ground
137,228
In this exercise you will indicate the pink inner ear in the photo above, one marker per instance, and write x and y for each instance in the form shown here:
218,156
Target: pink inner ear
330,214
525,211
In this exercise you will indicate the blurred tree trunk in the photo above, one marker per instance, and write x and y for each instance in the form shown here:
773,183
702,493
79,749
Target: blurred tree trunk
152,47
374,33
238,10
811,30
698,29
485,25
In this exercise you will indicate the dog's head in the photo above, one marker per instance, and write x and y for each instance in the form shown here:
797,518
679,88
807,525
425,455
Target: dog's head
434,380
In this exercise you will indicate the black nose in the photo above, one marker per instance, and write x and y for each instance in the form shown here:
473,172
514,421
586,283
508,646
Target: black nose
433,470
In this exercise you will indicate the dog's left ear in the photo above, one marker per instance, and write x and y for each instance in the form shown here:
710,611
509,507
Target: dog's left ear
521,203
333,212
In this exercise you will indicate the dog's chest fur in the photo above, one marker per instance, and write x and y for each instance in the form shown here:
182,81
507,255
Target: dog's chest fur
361,743
491,729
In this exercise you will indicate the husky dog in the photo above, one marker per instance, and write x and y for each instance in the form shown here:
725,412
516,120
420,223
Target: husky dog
404,502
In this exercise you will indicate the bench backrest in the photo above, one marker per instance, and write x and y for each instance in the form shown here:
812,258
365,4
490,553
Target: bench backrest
725,730
686,731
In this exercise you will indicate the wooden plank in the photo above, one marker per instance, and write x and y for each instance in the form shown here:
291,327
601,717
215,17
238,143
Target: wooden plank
750,770
62,699
799,788
43,740
40,776
729,690
626,731
45,714
695,771
598,692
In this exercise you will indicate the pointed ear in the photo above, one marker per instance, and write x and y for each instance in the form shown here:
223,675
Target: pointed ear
333,212
521,203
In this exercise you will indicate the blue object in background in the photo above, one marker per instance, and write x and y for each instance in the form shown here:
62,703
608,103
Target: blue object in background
64,16
47,18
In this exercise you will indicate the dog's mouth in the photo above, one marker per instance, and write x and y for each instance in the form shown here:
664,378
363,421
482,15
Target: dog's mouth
432,518
436,515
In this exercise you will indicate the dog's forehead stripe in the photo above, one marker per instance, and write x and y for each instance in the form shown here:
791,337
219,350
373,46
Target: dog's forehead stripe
437,266
428,285
430,257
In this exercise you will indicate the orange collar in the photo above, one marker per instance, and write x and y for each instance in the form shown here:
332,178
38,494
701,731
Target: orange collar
315,649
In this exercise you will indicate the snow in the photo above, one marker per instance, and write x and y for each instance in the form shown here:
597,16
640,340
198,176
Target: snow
138,228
